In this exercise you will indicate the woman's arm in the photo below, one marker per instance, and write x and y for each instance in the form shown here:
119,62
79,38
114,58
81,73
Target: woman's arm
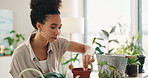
88,51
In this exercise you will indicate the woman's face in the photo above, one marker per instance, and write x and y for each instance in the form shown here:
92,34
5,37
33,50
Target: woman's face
52,28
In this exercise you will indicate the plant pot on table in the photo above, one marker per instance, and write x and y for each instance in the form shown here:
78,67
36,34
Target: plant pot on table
117,60
132,70
141,59
80,73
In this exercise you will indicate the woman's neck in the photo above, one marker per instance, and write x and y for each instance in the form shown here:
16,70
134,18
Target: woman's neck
39,42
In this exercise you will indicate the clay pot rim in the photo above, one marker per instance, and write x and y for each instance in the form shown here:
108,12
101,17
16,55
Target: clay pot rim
78,70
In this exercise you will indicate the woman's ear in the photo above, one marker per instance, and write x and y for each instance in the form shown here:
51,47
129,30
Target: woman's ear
38,25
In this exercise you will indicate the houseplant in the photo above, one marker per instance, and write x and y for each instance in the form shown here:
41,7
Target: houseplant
132,67
118,61
107,35
13,41
133,48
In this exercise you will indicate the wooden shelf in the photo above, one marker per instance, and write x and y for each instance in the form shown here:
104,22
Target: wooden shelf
5,55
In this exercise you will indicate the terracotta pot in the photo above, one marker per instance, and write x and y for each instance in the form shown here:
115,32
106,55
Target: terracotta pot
81,73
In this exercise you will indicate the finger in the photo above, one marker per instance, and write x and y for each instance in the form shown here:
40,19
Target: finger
92,59
84,63
87,60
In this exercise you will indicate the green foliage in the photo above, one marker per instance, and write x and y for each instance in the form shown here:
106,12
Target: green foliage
131,48
13,39
104,73
70,60
52,75
133,61
107,35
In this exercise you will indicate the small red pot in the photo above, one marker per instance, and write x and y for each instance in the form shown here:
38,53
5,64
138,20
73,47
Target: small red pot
80,72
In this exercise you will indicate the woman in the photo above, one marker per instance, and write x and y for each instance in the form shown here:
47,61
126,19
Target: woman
44,49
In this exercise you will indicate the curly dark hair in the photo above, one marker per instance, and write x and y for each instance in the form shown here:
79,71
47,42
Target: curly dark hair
42,8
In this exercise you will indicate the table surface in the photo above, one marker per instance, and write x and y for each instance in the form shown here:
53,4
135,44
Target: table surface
140,75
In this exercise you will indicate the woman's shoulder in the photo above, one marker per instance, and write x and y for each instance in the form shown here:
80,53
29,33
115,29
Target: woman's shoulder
21,49
62,39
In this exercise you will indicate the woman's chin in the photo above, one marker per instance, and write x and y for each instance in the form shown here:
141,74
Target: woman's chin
53,40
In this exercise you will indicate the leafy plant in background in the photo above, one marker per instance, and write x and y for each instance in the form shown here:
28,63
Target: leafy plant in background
104,73
70,60
131,48
133,61
13,40
107,34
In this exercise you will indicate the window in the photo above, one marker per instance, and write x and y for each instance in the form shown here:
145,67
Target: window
104,14
145,25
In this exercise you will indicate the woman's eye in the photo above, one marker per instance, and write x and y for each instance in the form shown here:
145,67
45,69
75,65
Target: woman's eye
60,27
52,27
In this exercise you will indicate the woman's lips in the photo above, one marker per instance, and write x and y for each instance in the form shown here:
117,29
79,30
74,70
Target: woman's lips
54,38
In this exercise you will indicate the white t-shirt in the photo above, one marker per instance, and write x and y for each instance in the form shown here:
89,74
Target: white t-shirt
44,65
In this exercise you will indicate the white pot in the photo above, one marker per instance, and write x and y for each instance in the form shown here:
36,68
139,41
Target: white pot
116,60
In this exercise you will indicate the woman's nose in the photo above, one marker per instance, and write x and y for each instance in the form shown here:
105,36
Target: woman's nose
57,31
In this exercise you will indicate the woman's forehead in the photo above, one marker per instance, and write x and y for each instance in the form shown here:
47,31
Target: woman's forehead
53,19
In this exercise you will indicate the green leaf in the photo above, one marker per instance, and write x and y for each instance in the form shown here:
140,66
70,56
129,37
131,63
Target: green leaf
117,76
75,58
112,67
100,45
99,38
111,50
10,40
23,38
105,33
71,60
99,50
102,63
93,40
113,29
116,41
104,74
8,49
13,31
133,61
112,75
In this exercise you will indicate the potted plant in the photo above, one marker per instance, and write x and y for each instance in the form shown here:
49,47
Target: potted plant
104,72
115,60
132,67
13,41
133,48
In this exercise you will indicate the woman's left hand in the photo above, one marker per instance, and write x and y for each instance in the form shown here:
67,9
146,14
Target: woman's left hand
87,59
